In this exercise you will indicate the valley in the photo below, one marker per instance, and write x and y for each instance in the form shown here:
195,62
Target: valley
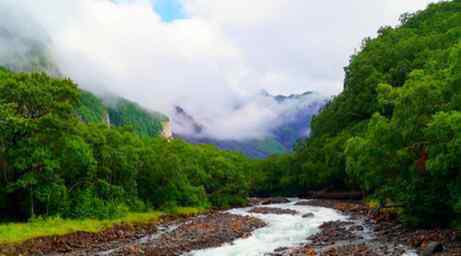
106,149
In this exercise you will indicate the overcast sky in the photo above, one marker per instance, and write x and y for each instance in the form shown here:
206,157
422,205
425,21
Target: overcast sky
205,55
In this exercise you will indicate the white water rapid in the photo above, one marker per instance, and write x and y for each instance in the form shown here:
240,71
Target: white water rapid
281,231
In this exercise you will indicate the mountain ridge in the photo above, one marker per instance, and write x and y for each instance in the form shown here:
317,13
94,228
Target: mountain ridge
294,125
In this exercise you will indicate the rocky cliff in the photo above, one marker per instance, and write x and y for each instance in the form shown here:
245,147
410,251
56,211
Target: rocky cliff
167,131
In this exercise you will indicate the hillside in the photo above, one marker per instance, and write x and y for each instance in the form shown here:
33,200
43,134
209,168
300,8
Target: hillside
120,112
395,130
57,163
27,54
292,125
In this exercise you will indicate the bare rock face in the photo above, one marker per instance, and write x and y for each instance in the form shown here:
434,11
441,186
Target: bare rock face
107,119
167,131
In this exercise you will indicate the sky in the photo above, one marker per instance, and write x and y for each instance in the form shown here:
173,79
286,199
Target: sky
208,56
169,10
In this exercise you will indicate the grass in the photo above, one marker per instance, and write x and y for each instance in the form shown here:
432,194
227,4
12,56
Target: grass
186,211
11,233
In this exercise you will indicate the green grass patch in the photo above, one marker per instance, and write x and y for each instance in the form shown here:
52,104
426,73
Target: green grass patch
11,233
187,211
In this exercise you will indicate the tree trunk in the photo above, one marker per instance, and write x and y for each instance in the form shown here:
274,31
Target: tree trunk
32,212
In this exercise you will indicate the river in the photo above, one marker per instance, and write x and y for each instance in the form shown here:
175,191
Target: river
282,231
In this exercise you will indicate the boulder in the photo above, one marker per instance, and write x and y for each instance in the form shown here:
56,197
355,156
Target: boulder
431,248
308,215
268,210
275,200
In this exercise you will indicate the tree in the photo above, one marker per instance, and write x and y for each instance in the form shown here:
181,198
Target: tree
36,114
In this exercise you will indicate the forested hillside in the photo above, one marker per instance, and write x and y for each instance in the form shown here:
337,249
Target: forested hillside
395,130
52,163
116,111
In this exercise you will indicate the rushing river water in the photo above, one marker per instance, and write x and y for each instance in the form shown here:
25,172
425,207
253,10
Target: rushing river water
281,231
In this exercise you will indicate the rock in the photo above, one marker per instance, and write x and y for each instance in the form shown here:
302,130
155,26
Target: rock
308,215
252,201
211,230
432,248
133,249
269,210
275,200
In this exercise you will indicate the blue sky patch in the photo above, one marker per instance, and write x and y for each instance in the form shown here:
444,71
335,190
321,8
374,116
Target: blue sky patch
169,10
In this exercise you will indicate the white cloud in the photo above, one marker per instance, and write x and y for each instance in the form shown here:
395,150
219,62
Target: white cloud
301,40
223,53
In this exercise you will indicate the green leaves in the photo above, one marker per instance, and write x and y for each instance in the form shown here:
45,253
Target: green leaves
51,163
444,133
400,106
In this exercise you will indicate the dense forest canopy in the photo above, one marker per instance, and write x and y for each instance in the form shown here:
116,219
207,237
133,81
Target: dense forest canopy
394,132
120,112
52,163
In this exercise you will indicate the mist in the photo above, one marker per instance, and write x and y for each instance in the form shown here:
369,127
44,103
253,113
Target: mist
214,63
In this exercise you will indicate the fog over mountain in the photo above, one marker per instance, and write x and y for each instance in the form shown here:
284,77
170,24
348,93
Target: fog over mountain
291,125
213,63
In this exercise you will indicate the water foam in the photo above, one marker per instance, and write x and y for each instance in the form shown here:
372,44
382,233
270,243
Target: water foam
281,231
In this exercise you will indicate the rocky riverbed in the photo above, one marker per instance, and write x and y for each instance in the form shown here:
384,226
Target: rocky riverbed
371,233
271,227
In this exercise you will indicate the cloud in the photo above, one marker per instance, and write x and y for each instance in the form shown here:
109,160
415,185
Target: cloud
221,55
303,44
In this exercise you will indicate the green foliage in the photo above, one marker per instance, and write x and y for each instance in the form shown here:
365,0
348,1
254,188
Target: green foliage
394,132
91,109
395,129
271,146
36,116
54,163
120,112
145,123
52,226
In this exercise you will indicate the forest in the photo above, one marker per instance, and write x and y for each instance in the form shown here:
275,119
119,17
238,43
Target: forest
52,163
393,133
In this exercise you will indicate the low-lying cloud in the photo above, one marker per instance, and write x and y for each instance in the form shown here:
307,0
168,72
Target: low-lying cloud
219,57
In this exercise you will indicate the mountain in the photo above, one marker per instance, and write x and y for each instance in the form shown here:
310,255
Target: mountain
116,111
296,122
292,124
26,54
293,114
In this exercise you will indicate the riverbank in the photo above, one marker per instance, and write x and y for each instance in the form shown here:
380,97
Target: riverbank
169,236
34,236
369,232
274,227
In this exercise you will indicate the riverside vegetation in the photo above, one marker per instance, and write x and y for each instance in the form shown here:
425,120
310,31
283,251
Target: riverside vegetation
395,130
54,164
393,133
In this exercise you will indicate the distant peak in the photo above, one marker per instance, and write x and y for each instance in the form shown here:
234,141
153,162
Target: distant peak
185,120
265,93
